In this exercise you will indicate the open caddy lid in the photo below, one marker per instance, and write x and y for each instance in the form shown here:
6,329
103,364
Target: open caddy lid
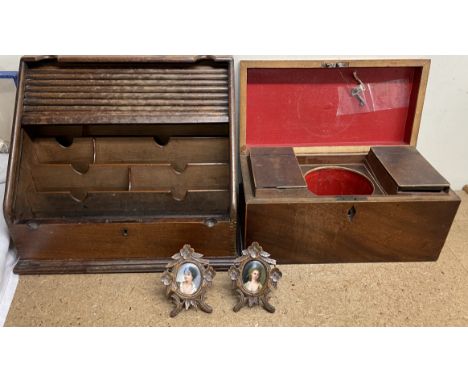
317,106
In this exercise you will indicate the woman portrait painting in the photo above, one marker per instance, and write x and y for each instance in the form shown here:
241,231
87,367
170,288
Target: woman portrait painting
254,276
188,278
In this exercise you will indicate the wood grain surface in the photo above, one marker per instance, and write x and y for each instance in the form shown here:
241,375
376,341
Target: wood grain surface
117,162
362,294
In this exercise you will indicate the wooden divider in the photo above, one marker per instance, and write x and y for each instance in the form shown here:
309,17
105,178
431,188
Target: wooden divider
118,176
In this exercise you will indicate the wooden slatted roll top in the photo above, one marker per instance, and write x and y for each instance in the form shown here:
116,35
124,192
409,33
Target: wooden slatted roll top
59,92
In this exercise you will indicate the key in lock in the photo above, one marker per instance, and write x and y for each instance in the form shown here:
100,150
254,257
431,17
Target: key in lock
358,90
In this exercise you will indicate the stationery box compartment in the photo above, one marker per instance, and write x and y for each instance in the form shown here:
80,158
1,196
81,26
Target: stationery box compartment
117,162
329,165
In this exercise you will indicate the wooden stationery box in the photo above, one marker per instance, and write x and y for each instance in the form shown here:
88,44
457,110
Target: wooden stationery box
117,162
329,165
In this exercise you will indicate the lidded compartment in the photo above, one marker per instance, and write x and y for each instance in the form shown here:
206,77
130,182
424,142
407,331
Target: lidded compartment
330,115
339,179
123,138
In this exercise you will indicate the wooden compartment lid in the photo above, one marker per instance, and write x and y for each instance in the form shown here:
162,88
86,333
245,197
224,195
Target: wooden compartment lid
317,106
404,169
125,90
275,168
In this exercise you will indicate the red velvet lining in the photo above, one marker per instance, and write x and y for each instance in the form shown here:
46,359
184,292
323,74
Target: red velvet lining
314,107
338,181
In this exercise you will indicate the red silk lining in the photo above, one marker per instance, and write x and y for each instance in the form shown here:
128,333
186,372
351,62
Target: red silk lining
338,181
314,107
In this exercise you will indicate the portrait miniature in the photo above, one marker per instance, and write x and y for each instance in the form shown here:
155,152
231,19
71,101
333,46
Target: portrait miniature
186,279
253,276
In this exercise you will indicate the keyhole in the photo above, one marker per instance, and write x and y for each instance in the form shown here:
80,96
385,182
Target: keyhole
351,213
125,232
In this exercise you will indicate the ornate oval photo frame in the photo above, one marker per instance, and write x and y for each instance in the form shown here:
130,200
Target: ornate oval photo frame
251,286
186,279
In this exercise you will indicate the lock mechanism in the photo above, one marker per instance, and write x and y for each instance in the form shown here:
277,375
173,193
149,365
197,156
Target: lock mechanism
331,65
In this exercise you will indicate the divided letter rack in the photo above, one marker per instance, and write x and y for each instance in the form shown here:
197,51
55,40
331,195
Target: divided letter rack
117,162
